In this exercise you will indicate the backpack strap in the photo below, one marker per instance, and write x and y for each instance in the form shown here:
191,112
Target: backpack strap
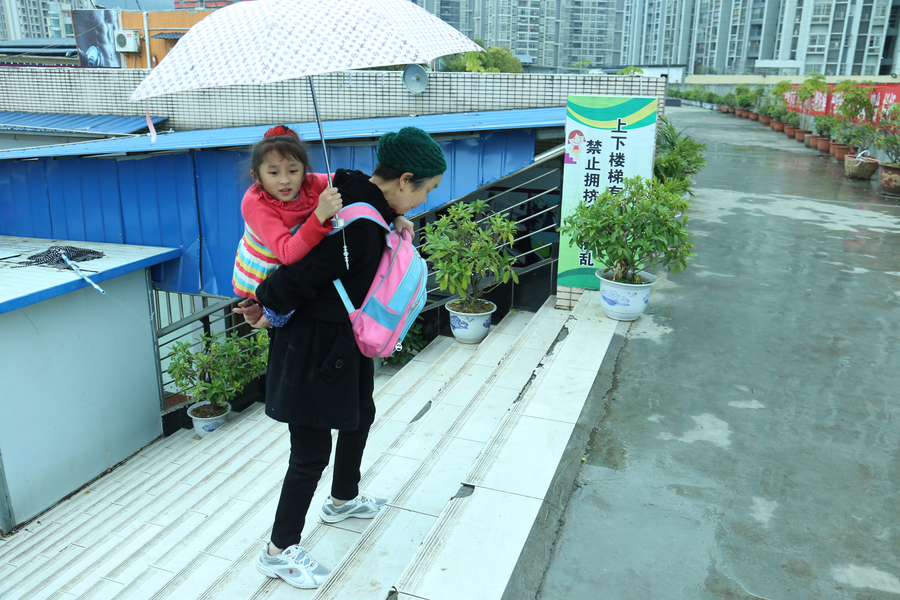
360,210
354,212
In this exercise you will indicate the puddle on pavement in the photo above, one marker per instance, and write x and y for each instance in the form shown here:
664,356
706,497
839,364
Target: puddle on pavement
605,450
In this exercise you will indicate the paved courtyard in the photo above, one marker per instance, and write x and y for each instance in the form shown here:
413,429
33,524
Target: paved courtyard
749,447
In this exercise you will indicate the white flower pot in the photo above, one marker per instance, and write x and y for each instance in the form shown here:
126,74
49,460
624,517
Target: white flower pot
470,328
625,301
204,427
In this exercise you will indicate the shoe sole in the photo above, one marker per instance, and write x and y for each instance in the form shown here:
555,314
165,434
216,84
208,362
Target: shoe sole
274,575
339,518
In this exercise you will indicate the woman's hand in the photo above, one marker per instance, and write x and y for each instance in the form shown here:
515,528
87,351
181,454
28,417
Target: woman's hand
253,314
329,204
402,222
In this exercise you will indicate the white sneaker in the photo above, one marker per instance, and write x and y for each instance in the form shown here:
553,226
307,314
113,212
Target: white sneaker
294,565
363,506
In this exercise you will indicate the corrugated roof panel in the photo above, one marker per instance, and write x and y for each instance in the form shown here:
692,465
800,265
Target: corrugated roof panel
69,123
334,130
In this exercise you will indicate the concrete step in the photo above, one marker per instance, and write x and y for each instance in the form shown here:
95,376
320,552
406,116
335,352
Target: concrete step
185,518
444,434
476,543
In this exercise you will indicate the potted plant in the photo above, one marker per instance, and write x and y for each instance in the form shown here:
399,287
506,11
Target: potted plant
757,94
888,141
728,101
860,164
822,128
791,123
678,156
466,247
216,373
641,227
765,113
778,115
806,93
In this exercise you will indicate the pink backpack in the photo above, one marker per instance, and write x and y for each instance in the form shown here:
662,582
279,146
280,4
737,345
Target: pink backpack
396,296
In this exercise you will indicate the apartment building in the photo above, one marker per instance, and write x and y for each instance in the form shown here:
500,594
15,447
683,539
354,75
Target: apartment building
656,32
555,33
23,19
838,37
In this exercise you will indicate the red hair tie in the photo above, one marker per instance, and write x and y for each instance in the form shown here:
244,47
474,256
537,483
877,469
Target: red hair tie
281,130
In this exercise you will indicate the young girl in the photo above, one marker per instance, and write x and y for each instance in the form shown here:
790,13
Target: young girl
277,210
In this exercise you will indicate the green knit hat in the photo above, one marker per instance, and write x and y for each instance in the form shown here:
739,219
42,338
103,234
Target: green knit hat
411,150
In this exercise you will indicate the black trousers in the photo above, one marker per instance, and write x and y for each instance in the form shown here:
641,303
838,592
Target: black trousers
310,452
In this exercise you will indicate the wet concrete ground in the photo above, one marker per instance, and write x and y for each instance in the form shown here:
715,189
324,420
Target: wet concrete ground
750,443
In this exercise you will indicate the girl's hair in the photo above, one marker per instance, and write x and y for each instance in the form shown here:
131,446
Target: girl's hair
390,174
282,140
574,133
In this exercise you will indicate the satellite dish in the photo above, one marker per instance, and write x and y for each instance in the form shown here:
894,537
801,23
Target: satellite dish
415,78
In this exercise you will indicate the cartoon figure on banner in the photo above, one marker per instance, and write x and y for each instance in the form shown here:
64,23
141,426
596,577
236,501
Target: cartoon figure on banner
573,150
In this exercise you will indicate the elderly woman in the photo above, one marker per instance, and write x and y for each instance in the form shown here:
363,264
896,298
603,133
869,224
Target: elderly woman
317,379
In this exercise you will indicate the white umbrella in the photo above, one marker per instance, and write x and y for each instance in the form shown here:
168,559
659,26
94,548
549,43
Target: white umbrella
263,41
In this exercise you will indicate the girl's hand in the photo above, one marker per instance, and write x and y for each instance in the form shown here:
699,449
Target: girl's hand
253,313
402,222
329,204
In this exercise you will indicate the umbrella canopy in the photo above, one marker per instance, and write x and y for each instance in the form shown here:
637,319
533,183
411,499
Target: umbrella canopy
263,41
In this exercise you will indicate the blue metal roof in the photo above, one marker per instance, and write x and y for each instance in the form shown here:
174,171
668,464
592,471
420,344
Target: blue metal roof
25,286
67,123
334,130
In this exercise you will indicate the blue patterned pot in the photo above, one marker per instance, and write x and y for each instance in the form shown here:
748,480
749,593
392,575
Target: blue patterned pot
470,328
625,301
203,427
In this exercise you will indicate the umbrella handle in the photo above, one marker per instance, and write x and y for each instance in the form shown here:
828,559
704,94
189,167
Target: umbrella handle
336,222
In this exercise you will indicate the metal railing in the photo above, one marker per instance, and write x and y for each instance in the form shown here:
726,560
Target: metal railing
185,316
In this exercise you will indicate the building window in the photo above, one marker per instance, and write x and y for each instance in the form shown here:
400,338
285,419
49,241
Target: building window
817,43
821,13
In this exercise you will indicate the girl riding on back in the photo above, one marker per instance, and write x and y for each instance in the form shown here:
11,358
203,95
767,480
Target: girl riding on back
277,210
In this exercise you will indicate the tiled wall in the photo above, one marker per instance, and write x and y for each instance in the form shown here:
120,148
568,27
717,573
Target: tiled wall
347,95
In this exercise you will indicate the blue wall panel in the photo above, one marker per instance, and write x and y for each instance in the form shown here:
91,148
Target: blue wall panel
222,179
159,208
24,207
192,200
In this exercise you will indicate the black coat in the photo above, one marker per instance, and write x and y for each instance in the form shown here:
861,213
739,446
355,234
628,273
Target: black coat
317,375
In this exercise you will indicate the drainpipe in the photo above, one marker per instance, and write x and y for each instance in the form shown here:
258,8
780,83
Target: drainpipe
146,41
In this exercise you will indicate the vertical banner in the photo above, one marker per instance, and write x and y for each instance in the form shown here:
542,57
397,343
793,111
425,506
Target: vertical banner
95,37
608,139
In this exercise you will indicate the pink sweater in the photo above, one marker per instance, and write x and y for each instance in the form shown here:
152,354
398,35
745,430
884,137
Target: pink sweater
271,237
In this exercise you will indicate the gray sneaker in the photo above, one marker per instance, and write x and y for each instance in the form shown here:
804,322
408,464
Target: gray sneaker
294,565
363,506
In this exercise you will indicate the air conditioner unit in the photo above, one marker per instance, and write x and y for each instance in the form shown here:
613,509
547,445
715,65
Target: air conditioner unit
127,41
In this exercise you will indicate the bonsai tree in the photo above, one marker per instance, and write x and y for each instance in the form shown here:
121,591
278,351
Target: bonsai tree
466,247
641,227
888,139
678,156
728,99
219,370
